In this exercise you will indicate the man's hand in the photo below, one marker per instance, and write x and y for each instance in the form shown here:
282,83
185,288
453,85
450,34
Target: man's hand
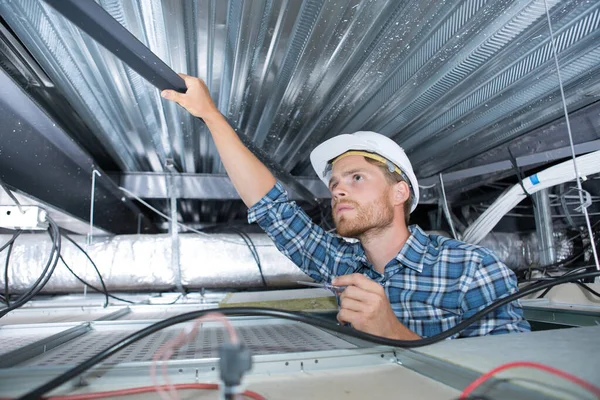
365,305
196,100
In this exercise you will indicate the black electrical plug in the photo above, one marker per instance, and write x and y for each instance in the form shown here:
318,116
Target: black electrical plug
235,361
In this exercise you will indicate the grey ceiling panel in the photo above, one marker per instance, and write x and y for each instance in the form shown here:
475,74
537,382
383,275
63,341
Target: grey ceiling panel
447,80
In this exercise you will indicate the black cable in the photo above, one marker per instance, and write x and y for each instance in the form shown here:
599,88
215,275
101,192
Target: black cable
589,289
46,273
105,291
6,288
545,292
10,194
9,244
520,177
11,240
293,316
92,286
250,244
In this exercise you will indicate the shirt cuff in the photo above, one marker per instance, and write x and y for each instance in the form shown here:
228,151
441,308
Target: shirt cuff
258,210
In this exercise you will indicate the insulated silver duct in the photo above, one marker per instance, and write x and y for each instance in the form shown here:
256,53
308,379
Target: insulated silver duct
143,262
520,251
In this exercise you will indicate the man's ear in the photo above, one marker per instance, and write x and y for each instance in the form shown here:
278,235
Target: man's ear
401,193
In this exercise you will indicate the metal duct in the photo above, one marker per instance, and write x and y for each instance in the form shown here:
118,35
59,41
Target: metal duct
143,262
520,251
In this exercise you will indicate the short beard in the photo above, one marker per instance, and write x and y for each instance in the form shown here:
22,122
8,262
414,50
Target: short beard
370,218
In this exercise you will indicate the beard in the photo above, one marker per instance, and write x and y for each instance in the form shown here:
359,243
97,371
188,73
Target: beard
374,216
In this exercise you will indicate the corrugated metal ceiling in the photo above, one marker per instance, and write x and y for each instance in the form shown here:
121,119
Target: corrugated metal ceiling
448,80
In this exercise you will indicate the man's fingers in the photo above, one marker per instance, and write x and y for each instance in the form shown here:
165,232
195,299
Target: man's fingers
355,280
359,281
347,316
352,304
171,95
189,80
354,292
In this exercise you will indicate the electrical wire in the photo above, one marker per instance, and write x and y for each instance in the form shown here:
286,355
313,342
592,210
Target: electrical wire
10,241
189,228
11,195
293,316
94,287
47,272
589,289
148,389
528,364
6,263
104,290
252,247
545,292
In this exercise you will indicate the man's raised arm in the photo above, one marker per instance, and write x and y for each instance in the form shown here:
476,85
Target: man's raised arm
250,177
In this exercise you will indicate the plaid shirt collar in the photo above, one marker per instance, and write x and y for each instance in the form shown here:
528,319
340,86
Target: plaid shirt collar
411,255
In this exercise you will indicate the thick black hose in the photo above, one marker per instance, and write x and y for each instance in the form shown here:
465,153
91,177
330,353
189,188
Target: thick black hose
294,316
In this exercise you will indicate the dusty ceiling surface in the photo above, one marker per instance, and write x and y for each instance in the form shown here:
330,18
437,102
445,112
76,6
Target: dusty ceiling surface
449,81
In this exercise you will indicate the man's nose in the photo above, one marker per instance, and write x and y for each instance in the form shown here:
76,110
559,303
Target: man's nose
339,191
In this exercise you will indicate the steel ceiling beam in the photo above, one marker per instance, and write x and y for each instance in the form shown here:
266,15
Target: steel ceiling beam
154,185
38,158
523,161
91,18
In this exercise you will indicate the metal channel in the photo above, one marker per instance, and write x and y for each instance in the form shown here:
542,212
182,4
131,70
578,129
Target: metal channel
116,315
523,161
96,22
563,317
40,347
459,377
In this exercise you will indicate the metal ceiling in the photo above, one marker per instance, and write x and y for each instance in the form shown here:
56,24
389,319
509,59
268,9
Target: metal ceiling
447,80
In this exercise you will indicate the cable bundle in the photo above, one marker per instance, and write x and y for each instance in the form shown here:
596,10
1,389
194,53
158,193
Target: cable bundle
46,273
564,172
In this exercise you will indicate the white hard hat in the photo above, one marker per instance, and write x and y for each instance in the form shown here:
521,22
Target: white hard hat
372,142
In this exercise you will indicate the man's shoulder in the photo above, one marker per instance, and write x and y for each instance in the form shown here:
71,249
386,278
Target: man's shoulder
443,245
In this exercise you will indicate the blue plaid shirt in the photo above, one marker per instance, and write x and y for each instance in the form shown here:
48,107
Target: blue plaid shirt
432,284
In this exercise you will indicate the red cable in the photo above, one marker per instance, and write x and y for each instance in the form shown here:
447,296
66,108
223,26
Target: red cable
475,384
147,389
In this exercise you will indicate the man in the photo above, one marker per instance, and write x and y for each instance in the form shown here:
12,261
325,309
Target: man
401,283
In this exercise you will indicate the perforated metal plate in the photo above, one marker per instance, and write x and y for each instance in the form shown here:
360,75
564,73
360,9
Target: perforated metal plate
12,343
13,338
260,337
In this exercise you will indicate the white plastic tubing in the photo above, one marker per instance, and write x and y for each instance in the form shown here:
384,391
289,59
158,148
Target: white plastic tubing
564,172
